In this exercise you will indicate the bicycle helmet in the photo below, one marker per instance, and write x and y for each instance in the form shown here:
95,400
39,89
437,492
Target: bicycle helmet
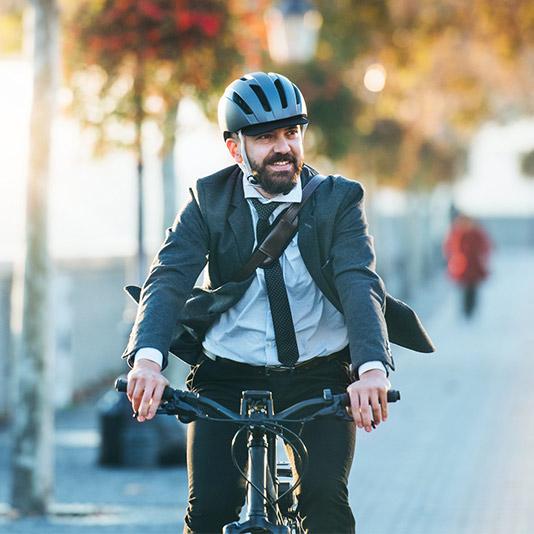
260,102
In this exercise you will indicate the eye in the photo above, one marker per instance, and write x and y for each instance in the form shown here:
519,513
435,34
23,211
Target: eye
264,137
292,132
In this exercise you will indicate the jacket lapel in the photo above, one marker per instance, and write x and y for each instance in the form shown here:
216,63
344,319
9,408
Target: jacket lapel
240,220
309,242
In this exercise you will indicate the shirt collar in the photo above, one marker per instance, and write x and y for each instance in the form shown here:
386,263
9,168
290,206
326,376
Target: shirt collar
295,195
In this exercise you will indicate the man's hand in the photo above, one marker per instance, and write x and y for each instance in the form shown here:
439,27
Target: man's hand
145,388
369,394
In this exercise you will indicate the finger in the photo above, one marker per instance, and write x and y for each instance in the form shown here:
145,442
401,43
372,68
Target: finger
130,386
355,409
383,393
137,394
156,399
145,402
375,407
365,411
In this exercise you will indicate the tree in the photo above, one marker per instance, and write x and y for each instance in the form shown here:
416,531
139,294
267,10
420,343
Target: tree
33,425
449,66
527,164
143,57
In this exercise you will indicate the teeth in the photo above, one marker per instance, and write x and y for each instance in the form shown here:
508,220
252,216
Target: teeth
281,163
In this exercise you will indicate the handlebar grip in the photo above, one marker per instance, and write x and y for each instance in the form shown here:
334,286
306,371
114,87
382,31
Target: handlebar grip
393,395
121,384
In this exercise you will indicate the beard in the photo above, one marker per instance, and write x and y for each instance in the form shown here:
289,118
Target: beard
277,182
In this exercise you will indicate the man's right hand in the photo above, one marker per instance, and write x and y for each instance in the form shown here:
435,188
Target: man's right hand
145,388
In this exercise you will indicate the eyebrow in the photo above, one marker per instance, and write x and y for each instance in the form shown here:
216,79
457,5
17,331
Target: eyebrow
288,129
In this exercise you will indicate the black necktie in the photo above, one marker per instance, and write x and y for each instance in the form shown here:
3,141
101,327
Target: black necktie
284,331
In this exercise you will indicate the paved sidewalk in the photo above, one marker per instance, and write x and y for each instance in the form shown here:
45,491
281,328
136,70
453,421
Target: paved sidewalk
455,457
92,499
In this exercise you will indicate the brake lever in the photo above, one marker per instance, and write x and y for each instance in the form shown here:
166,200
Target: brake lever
335,409
342,413
182,410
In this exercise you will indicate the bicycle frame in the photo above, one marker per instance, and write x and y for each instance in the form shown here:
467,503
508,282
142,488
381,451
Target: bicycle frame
262,469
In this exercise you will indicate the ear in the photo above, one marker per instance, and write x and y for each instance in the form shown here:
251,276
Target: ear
234,149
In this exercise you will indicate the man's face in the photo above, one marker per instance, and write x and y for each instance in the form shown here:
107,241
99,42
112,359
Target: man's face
276,158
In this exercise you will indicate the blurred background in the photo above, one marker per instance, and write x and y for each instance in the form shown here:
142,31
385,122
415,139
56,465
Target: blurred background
108,115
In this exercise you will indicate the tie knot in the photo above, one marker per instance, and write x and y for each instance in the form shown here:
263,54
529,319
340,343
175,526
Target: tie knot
264,210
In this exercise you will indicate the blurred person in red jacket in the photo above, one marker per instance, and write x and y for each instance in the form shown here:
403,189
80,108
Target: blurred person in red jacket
467,248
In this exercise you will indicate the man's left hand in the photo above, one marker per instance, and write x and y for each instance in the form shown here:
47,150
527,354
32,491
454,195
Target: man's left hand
369,395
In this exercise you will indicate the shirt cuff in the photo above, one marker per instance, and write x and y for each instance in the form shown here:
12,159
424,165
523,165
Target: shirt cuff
367,366
148,353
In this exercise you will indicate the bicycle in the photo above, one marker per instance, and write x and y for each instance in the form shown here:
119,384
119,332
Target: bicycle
271,505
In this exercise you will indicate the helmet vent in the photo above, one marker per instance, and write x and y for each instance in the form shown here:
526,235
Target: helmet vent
261,97
242,104
281,92
297,94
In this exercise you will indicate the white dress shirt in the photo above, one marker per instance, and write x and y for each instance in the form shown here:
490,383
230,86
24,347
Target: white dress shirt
245,332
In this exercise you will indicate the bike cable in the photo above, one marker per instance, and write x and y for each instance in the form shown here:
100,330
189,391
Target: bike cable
266,498
301,459
299,450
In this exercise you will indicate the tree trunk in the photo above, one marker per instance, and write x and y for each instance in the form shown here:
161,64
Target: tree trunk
409,157
139,87
33,423
167,166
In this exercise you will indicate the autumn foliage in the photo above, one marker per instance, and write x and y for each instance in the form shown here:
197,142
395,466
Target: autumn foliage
187,37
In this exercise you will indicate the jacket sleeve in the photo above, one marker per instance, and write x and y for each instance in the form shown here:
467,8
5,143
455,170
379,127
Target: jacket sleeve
360,289
171,278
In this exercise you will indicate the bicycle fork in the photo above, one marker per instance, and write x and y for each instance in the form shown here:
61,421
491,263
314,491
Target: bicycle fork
261,485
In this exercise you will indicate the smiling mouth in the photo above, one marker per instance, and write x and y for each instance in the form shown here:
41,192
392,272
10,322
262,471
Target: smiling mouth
282,164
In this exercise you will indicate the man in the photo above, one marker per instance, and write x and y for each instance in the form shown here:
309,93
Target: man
293,329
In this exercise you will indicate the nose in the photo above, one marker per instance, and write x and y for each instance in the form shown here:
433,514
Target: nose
281,145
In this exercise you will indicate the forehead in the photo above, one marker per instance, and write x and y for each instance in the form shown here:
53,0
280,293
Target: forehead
277,131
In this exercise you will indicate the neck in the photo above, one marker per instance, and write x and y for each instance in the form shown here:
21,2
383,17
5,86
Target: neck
264,193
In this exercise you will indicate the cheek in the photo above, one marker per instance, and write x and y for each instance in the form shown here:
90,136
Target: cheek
257,154
298,150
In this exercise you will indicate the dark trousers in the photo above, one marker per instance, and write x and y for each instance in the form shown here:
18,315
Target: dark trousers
216,489
469,299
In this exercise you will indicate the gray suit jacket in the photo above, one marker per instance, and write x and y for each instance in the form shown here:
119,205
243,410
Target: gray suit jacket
216,226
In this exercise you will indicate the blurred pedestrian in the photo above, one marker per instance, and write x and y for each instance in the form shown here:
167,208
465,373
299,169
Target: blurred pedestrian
467,249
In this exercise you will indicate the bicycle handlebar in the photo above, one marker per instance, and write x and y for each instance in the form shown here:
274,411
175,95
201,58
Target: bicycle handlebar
121,385
190,403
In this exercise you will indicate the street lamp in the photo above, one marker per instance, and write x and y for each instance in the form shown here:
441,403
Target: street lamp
292,31
375,78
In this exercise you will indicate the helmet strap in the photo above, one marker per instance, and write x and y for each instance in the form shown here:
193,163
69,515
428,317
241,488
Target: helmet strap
245,165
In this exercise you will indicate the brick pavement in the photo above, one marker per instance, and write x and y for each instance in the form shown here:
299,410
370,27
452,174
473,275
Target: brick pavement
456,456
